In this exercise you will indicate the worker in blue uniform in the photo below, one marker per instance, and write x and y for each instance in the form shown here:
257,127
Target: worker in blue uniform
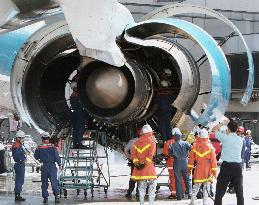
248,143
19,166
179,151
78,116
48,155
164,100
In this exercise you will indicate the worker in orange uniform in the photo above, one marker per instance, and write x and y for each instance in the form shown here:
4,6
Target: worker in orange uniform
144,173
127,152
169,164
203,154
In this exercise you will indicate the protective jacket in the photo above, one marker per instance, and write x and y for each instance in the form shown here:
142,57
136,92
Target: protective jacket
19,166
203,156
18,153
170,159
48,155
249,142
142,152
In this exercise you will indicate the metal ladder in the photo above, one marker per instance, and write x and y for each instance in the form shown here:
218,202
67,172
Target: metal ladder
82,169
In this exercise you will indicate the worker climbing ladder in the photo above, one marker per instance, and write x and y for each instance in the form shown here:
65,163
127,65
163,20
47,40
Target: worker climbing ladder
85,169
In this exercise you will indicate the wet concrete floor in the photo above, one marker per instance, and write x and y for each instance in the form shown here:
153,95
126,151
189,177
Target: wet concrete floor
119,184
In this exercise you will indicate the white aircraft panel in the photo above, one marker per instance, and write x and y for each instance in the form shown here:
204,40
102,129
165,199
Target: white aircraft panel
95,26
7,11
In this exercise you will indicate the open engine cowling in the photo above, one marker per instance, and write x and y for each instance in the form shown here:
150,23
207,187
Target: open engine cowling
50,56
117,98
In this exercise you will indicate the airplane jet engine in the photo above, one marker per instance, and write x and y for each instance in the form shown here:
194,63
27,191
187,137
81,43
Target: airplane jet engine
121,65
113,96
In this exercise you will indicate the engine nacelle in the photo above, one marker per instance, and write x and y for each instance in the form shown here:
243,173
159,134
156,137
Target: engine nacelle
110,94
39,76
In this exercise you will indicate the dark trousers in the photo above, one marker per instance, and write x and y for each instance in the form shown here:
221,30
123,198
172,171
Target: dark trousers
231,185
132,183
78,120
19,169
180,168
164,121
230,172
247,157
49,171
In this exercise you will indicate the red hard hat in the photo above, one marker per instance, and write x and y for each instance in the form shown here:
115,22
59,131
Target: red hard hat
241,129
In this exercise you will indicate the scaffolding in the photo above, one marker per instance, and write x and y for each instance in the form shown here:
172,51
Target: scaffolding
85,169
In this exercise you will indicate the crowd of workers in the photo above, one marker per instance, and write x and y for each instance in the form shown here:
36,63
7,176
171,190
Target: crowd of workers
193,167
48,156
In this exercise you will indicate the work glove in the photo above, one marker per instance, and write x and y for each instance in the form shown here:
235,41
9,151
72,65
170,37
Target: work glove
140,166
190,172
163,156
130,163
59,167
156,160
214,173
211,178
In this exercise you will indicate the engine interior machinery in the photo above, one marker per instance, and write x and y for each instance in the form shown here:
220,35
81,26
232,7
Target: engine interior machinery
120,68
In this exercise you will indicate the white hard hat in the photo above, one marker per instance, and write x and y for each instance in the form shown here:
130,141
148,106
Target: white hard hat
196,130
164,83
204,133
45,135
20,134
146,129
248,132
176,131
73,85
168,71
9,114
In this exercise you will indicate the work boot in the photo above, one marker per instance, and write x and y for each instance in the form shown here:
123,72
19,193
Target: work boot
199,195
211,193
45,200
256,198
172,196
137,197
128,196
57,200
18,197
231,190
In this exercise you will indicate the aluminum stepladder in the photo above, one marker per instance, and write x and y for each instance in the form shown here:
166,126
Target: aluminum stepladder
85,169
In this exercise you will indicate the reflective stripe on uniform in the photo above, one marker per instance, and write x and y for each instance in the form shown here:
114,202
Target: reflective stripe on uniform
148,159
200,180
143,149
214,169
201,154
135,160
189,165
43,147
143,177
